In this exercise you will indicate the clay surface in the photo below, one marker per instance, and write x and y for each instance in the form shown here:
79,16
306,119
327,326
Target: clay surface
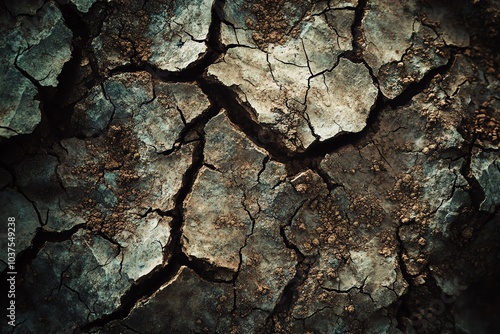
230,166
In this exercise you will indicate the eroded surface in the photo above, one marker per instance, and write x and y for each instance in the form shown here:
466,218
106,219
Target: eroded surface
251,166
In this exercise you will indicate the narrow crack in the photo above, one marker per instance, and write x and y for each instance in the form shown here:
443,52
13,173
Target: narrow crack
475,190
357,31
264,164
403,310
26,257
193,128
240,252
283,307
330,184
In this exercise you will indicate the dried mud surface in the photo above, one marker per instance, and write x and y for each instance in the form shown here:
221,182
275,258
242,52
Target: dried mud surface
230,166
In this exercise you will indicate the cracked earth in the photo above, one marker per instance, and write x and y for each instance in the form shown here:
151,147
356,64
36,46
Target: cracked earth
230,166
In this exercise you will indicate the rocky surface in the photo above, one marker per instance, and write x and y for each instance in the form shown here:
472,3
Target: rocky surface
251,166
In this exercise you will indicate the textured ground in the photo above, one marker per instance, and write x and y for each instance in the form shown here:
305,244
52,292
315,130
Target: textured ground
264,166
